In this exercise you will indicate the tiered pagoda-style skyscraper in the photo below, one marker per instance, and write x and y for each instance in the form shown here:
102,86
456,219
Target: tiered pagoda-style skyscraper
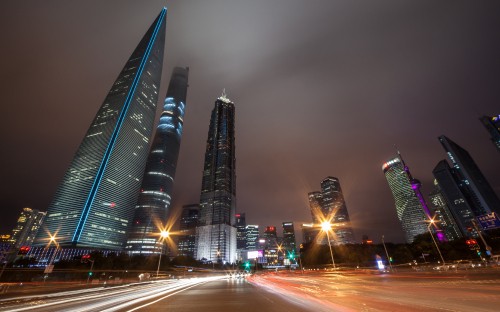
95,201
150,215
216,233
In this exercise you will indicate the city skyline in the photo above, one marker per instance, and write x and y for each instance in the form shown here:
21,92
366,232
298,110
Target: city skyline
321,90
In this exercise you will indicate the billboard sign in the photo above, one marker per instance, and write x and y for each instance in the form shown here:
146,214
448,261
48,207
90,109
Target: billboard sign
489,221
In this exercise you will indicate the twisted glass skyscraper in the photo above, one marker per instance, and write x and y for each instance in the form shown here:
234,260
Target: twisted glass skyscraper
151,210
95,201
216,233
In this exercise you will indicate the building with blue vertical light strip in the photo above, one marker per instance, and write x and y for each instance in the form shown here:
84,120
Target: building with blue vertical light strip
150,213
94,203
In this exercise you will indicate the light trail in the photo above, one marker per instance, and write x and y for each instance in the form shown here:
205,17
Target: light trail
102,299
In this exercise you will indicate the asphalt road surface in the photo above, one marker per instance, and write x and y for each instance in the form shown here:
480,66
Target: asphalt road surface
284,291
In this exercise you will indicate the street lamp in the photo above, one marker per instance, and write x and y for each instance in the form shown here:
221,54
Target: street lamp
50,265
431,222
326,227
163,235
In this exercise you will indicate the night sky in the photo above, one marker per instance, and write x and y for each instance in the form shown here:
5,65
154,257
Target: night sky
321,88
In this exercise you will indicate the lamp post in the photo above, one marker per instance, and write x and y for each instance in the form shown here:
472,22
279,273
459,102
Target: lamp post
163,235
431,222
326,227
50,266
386,253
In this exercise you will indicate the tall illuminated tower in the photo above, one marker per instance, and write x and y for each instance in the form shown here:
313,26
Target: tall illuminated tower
409,208
94,203
492,124
216,235
150,215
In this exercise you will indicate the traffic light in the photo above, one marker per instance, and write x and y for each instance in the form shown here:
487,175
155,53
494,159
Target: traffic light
472,243
390,259
24,250
85,258
479,253
291,255
247,265
90,273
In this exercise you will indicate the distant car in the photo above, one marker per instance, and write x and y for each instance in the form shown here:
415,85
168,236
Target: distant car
464,264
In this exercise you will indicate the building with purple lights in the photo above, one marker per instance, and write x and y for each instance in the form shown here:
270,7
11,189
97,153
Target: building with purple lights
411,210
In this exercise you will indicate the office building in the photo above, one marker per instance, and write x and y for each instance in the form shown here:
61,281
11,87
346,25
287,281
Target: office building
150,213
329,206
26,229
442,214
241,239
186,242
252,237
459,205
492,124
480,195
408,206
94,204
216,233
289,242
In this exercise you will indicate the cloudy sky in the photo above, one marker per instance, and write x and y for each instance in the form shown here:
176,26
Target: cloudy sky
321,88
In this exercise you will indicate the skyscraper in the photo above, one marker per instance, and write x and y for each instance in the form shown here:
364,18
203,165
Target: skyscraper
252,235
150,215
329,205
27,227
449,186
492,124
476,188
289,237
408,206
216,235
94,203
442,214
241,236
186,243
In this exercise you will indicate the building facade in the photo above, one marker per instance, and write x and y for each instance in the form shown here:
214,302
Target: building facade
26,229
408,206
456,200
151,210
442,214
289,242
95,201
241,236
492,124
186,243
252,237
329,206
216,233
480,195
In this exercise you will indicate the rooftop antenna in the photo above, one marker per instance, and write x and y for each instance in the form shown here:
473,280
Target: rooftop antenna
223,97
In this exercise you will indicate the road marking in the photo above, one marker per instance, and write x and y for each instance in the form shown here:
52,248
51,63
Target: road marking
160,299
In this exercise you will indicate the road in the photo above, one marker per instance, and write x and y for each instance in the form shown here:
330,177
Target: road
284,291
